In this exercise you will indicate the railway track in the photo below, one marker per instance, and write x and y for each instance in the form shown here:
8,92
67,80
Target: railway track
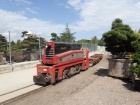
20,93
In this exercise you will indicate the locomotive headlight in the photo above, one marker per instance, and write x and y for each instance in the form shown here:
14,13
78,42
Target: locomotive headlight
47,46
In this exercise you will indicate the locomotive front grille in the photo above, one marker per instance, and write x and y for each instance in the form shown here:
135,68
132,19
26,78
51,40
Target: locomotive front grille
49,53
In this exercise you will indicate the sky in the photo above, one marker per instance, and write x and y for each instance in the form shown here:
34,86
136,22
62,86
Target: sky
88,18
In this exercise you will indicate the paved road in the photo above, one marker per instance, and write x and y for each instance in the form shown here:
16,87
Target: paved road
15,80
91,87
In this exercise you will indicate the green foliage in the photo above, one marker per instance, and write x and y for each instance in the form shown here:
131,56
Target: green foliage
135,69
67,36
101,42
42,41
136,42
24,33
83,41
3,44
94,40
55,38
118,39
2,38
31,43
139,31
12,43
136,45
16,46
136,55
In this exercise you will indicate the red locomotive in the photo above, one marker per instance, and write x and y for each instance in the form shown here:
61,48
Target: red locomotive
62,60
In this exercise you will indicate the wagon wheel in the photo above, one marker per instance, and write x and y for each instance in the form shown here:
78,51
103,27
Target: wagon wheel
78,68
65,74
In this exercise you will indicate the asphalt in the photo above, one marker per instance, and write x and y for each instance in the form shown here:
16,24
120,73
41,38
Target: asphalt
16,83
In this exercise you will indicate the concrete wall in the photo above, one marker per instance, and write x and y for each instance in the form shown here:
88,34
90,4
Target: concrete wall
17,66
1,58
21,56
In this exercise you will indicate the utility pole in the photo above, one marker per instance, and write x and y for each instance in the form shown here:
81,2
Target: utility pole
39,50
9,48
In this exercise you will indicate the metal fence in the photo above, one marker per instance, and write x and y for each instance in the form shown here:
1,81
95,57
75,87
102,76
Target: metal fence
91,47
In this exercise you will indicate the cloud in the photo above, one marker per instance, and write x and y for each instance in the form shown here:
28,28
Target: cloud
95,18
74,2
23,1
17,23
97,15
30,10
23,6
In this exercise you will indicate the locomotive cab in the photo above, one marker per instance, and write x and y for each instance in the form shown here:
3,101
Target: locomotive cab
53,51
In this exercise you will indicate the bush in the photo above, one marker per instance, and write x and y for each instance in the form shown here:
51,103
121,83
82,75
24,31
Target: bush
118,39
136,56
135,69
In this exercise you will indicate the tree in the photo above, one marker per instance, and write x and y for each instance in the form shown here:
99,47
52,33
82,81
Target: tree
42,41
12,43
139,31
16,46
118,39
13,46
67,36
24,33
94,40
83,41
136,55
31,43
3,44
101,42
136,42
55,38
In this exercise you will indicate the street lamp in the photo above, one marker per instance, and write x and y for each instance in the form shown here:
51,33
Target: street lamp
9,28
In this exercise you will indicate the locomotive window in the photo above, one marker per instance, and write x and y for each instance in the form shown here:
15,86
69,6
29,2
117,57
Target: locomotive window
64,47
61,47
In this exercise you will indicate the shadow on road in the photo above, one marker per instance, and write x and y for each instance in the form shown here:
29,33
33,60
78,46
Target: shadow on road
128,84
101,72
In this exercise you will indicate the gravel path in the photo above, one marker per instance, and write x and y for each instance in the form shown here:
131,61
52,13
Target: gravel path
91,87
103,91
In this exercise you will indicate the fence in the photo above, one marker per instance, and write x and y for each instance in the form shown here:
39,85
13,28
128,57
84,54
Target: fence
91,47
